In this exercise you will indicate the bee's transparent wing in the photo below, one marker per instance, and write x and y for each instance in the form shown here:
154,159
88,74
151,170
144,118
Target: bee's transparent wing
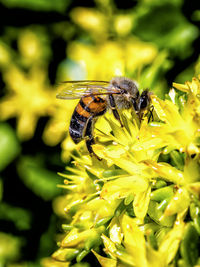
78,89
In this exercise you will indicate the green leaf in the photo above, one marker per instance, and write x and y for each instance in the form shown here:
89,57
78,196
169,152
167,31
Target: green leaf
43,5
9,145
81,255
157,215
20,217
176,33
1,189
38,179
189,245
9,248
163,193
177,159
103,221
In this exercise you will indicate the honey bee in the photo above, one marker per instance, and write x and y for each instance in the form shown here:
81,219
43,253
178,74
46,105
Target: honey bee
96,97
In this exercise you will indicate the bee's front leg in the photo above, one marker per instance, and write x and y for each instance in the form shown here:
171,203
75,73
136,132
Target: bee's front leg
151,113
89,137
114,109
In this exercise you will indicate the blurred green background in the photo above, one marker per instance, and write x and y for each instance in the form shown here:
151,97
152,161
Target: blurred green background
44,42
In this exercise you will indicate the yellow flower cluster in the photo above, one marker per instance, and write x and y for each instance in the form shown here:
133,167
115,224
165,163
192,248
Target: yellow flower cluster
26,99
134,202
29,94
112,58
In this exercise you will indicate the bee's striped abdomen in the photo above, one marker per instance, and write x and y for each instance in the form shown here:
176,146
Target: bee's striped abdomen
78,123
90,106
94,104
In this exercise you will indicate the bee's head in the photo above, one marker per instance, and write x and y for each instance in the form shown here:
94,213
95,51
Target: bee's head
126,86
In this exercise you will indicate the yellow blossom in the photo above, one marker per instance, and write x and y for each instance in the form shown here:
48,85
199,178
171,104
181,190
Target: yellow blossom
29,98
53,263
4,54
29,46
114,59
123,24
58,125
105,262
134,201
90,20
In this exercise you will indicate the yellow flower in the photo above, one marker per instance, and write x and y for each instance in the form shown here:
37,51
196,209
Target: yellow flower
45,262
123,24
134,202
29,46
29,97
4,54
109,58
90,20
58,125
182,129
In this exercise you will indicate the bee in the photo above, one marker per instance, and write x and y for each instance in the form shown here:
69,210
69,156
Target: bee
96,97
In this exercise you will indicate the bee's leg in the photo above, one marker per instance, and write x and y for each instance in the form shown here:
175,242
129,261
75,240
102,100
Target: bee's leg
114,110
151,113
89,137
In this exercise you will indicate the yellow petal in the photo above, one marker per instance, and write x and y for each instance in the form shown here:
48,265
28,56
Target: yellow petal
141,203
178,203
65,254
191,170
166,171
181,87
49,262
109,245
122,187
170,244
105,262
134,242
115,231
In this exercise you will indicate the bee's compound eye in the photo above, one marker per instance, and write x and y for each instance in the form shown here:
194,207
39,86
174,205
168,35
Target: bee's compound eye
144,100
143,103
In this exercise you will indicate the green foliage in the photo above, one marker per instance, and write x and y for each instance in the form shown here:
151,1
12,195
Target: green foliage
21,218
9,248
38,179
44,5
47,242
1,189
189,246
167,26
10,146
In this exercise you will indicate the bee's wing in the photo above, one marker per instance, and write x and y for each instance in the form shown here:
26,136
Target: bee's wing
78,89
